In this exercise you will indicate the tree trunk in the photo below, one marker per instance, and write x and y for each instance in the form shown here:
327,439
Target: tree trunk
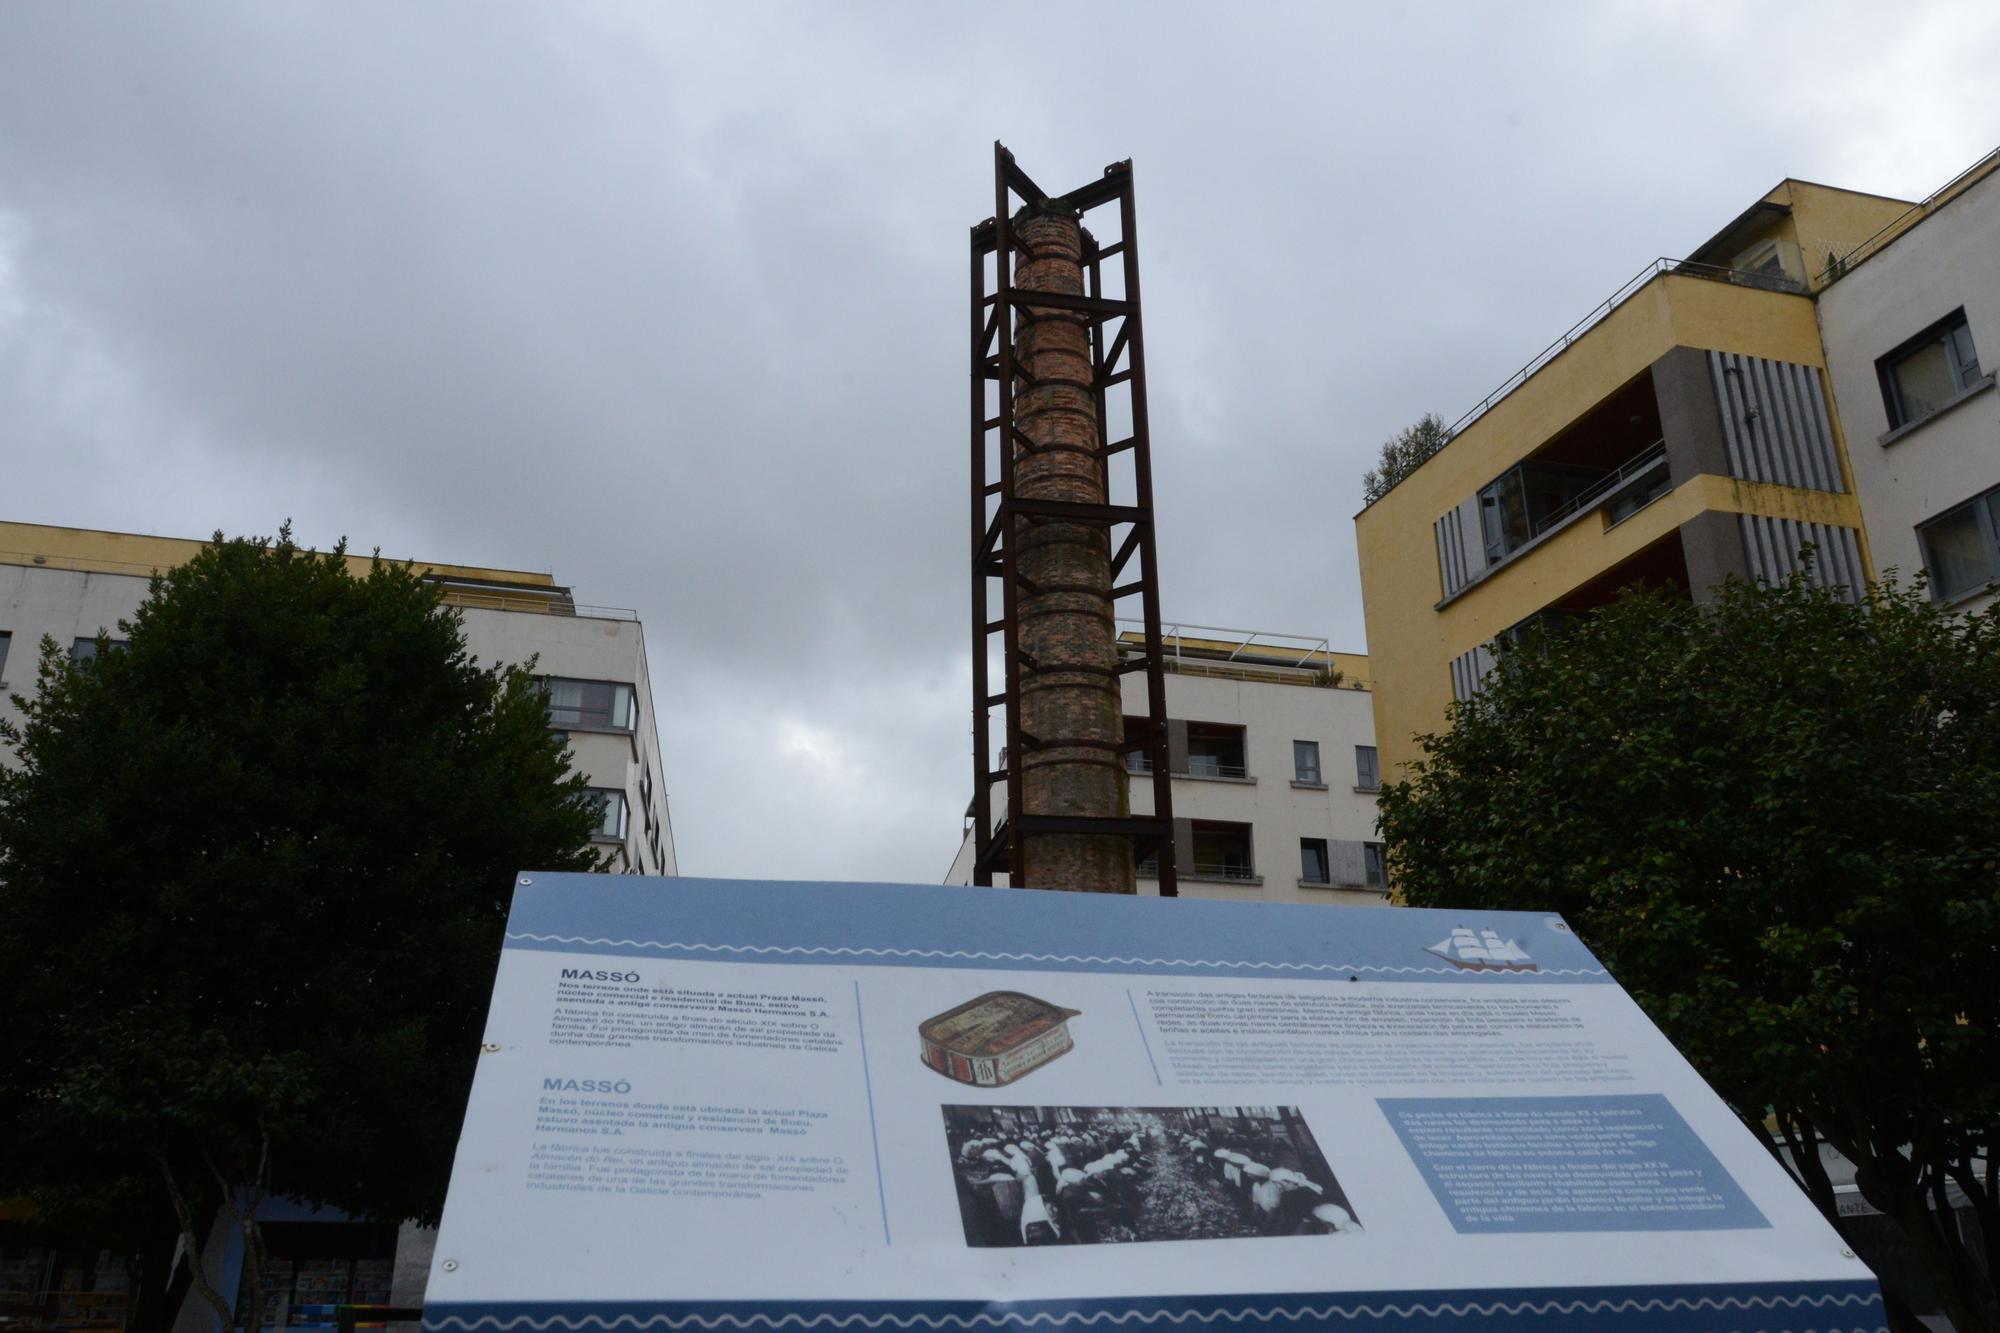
152,1307
192,1248
1966,1295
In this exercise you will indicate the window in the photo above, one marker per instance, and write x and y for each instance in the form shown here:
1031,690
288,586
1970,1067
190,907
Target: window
590,703
1762,266
85,649
6,639
1374,870
1215,751
1526,501
1962,547
1305,762
1222,851
1367,768
1137,732
611,814
1312,861
1929,370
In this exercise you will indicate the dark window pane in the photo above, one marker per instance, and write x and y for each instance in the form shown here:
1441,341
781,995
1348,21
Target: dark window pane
1967,358
1367,767
1305,761
1373,868
611,813
589,703
1956,553
1924,380
85,650
1312,860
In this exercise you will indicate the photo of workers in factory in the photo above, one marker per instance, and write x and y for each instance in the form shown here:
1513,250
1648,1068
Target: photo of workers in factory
1096,1175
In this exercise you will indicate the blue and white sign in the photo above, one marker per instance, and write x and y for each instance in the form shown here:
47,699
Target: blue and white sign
733,1105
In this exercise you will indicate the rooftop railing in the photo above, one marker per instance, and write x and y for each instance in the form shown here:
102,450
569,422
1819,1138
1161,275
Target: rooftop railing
1195,649
1838,265
1771,282
489,601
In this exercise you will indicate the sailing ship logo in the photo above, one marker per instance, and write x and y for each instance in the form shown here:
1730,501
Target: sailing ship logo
1482,951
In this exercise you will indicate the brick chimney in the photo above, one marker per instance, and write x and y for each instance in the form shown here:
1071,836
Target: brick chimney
1070,700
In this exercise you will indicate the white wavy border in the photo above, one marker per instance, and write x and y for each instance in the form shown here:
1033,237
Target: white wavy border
983,956
1062,1318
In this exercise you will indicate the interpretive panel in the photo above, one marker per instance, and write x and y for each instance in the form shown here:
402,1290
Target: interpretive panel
739,1105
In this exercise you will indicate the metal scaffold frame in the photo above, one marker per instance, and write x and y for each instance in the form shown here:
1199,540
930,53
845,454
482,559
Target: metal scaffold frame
1118,358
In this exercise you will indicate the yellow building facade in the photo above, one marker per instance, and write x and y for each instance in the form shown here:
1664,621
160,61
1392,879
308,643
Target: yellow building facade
1683,432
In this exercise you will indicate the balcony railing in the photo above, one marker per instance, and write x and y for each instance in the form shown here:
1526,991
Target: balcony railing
1228,870
1608,485
1606,489
1141,762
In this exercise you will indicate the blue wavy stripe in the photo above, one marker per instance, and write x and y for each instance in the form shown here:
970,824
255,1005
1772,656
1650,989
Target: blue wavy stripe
901,925
1833,1307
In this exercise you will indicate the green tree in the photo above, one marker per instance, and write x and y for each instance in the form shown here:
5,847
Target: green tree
1403,454
1776,819
254,872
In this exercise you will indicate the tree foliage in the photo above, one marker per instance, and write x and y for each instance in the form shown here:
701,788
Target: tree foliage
1776,818
254,870
1403,454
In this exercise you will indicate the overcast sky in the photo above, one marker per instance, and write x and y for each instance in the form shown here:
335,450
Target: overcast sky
670,301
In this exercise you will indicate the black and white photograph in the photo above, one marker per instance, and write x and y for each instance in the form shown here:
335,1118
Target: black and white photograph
1099,1175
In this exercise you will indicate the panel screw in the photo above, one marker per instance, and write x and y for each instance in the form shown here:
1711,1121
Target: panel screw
450,1265
1847,1254
525,881
489,1048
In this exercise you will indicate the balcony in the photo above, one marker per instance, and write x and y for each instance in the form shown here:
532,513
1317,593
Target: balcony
1213,751
1614,460
1223,854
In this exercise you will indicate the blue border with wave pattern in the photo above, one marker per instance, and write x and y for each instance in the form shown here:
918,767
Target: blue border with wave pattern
1823,1307
907,925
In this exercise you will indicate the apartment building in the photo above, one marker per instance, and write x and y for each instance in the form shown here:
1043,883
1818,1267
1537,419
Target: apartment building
1905,321
1681,432
1272,746
73,583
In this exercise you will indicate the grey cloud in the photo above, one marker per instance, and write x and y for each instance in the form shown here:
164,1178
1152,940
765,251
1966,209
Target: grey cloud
671,300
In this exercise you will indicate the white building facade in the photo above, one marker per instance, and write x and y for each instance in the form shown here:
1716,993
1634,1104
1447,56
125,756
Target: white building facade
1271,739
1912,336
72,584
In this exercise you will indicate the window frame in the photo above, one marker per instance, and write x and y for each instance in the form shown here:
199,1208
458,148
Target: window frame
1374,865
1985,510
6,643
78,657
1311,777
629,728
1222,871
1212,736
1963,378
1307,848
597,833
1361,774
